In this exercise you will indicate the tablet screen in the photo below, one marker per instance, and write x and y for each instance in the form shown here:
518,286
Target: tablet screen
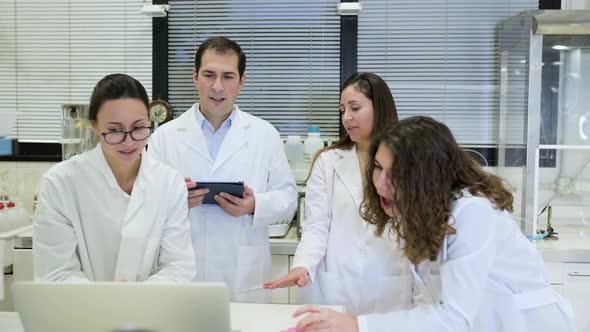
232,188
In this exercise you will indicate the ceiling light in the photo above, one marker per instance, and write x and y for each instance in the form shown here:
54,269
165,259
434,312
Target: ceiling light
155,10
559,47
349,8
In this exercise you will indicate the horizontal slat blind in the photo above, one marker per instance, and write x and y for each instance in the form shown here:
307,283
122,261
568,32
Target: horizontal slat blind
63,48
293,57
43,68
440,58
8,101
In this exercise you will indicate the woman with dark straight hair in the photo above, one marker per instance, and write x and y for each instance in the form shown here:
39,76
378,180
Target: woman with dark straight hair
339,259
113,213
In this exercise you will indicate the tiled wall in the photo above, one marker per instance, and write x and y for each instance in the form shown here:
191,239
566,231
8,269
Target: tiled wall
20,180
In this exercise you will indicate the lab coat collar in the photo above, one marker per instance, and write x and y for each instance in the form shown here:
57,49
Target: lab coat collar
348,169
204,123
97,156
102,166
234,139
191,134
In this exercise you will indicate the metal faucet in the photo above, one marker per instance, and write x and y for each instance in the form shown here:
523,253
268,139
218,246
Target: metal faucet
551,233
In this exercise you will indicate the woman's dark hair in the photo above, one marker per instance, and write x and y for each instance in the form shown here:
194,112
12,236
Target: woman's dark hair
384,111
428,172
221,45
115,86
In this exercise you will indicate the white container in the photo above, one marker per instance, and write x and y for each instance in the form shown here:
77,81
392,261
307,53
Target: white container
294,152
312,144
12,216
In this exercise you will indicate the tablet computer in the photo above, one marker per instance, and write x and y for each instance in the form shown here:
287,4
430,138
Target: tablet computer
233,188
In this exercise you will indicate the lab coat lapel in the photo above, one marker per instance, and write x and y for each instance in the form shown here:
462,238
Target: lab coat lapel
348,169
135,227
234,139
99,161
192,135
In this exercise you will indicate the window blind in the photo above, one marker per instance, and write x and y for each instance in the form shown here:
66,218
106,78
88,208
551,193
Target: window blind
440,59
293,57
8,104
60,49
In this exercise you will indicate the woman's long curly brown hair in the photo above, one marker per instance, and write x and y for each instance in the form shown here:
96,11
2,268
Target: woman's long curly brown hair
429,171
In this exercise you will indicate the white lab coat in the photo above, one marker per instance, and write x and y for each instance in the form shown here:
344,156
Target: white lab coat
86,228
234,250
348,263
488,278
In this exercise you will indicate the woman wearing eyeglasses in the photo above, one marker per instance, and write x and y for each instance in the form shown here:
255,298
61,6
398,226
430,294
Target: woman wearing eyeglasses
113,213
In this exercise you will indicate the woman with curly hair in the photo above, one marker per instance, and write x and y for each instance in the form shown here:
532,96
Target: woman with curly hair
473,268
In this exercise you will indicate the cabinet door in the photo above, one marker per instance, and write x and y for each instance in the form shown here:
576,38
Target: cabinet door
280,267
555,272
22,264
556,275
6,303
577,291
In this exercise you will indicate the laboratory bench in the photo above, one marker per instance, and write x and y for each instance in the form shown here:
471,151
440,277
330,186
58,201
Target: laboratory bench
567,262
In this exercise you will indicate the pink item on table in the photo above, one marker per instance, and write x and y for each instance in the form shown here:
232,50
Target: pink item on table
291,329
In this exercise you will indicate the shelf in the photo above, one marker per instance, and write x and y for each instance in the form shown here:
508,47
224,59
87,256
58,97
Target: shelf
70,140
564,147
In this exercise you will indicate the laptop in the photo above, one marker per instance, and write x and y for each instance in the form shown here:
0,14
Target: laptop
122,307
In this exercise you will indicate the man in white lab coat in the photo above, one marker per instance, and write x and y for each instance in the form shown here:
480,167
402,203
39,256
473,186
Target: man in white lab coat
215,141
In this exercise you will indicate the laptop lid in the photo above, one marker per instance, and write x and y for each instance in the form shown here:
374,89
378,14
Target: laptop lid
110,307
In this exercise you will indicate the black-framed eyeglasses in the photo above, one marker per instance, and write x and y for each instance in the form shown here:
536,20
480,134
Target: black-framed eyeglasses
117,137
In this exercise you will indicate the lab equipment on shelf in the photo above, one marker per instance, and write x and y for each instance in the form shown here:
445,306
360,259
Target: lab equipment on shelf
313,143
77,134
11,215
294,151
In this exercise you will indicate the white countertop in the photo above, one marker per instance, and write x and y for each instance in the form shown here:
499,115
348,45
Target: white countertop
284,245
245,317
573,245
